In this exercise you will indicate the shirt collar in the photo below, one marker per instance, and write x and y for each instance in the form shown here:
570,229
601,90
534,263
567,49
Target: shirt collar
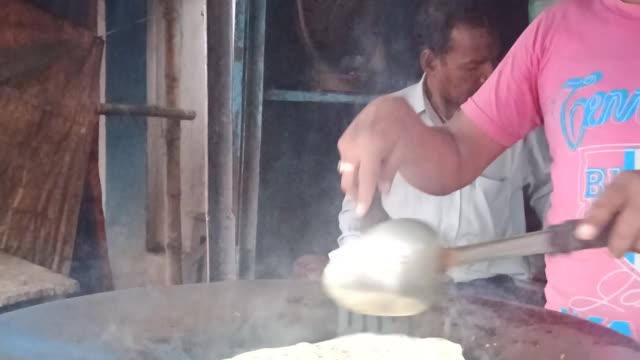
416,98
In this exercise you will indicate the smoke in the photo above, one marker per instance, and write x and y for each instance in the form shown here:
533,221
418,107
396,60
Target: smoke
142,346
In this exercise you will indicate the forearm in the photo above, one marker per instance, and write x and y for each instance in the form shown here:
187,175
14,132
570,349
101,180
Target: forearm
433,172
463,152
388,138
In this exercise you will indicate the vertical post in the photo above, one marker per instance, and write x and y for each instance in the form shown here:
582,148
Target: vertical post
252,137
156,206
173,243
238,91
221,231
93,182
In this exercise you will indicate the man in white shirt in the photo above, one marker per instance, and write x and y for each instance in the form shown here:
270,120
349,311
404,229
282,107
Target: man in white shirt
460,48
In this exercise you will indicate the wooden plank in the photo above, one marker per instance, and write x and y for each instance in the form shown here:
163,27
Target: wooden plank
21,281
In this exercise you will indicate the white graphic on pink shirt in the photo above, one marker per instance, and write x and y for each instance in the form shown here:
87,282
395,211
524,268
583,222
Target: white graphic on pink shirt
616,290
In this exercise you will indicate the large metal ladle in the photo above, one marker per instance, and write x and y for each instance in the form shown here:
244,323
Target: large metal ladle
395,268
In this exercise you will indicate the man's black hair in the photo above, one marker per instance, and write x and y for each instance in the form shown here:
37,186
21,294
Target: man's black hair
437,18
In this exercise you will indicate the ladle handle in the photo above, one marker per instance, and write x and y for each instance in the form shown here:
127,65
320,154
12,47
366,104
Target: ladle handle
556,239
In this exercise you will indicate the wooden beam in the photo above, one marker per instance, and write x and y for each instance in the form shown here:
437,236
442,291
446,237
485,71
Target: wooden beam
221,231
146,110
173,245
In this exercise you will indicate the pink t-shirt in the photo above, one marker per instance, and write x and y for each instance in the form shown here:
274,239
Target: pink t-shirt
576,71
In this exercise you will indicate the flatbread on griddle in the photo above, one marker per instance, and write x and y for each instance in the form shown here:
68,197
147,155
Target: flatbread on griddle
363,347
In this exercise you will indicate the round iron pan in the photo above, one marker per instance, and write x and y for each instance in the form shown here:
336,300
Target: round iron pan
216,321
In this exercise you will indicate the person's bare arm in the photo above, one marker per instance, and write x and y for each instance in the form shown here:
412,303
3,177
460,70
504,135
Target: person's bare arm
436,160
387,136
464,151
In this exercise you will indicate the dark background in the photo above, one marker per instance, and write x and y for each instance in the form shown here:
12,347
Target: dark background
300,196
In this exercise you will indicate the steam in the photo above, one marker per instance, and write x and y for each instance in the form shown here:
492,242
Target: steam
142,346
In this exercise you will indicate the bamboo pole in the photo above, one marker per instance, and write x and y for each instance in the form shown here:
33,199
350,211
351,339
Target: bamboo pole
173,245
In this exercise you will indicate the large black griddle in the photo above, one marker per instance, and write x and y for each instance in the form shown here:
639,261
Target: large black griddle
214,321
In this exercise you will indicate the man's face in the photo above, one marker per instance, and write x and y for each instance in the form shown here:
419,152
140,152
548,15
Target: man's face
460,72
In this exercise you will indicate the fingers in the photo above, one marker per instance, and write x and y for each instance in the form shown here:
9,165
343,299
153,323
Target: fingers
366,144
347,173
361,182
625,233
368,175
602,212
348,182
360,167
619,204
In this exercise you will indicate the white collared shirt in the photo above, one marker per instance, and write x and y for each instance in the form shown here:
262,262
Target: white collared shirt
489,208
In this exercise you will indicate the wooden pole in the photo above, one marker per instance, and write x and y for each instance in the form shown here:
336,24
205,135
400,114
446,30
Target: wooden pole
221,224
92,182
137,111
173,245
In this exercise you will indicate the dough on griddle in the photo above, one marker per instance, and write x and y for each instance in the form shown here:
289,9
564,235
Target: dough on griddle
364,347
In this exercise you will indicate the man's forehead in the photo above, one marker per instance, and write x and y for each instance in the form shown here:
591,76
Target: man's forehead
467,33
469,38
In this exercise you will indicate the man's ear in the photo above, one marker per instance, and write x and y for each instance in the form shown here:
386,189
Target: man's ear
427,61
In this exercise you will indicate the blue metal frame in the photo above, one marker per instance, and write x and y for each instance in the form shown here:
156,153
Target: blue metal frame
316,96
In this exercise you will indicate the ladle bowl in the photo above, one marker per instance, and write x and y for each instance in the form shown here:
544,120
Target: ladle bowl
393,269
